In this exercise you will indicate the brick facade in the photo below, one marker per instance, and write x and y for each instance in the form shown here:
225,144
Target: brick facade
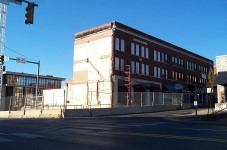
155,65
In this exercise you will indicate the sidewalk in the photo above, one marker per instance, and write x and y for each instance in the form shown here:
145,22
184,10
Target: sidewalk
219,118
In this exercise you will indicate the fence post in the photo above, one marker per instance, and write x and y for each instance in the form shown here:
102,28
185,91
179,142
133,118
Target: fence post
153,100
141,99
163,97
10,103
24,104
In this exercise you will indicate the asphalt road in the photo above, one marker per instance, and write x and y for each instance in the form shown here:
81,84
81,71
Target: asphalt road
163,130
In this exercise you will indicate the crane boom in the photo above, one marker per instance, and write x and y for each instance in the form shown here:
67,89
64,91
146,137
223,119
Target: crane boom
3,11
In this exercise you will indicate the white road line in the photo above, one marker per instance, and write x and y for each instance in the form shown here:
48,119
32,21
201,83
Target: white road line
26,135
213,130
77,130
142,124
4,140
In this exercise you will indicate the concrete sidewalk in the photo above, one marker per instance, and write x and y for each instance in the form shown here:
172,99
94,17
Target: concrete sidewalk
211,116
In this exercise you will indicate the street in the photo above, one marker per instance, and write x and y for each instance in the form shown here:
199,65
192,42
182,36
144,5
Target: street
161,130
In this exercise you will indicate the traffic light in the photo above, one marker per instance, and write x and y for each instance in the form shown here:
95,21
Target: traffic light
30,13
1,59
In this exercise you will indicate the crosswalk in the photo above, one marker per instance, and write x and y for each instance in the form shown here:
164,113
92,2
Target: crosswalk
80,128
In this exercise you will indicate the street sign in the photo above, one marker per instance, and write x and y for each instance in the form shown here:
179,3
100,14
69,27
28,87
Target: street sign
195,103
211,77
6,58
20,60
19,2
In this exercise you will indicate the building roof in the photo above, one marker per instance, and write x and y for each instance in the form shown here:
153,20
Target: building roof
33,75
116,25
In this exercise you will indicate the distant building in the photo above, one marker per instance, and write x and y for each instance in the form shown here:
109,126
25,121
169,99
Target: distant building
104,56
20,88
221,67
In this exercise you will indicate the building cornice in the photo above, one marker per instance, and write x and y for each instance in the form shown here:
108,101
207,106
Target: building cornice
161,44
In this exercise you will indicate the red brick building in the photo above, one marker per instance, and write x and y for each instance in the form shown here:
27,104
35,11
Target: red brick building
155,65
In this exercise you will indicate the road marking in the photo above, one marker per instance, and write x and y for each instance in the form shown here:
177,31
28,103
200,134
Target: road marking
4,140
142,124
213,130
77,130
26,135
204,139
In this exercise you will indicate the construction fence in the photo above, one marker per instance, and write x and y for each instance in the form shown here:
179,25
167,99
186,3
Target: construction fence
60,102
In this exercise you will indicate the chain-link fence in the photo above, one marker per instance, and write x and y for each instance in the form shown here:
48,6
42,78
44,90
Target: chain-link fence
14,103
96,101
153,98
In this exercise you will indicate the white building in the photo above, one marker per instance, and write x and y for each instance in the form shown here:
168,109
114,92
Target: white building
221,65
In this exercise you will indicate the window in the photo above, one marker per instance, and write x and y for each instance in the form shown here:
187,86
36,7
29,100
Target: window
166,58
155,53
133,48
166,74
117,44
122,45
137,68
158,56
163,73
147,70
142,51
173,75
163,58
117,63
137,50
147,53
176,75
159,72
155,71
132,66
122,65
143,69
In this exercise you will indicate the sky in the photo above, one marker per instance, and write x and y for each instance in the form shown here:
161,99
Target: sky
199,26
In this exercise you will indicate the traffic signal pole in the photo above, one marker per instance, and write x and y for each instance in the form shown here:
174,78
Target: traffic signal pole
3,12
37,77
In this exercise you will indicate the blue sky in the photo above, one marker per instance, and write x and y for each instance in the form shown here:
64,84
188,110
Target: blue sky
199,26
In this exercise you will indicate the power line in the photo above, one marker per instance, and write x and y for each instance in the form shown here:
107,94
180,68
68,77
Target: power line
19,53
